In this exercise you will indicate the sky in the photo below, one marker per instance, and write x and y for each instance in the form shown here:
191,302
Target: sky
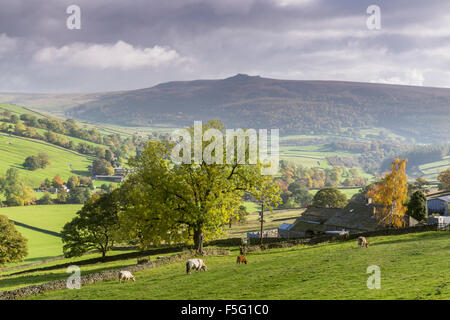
135,44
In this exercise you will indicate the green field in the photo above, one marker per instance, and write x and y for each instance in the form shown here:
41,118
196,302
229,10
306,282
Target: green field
431,170
51,217
316,156
40,246
48,217
18,110
413,266
64,162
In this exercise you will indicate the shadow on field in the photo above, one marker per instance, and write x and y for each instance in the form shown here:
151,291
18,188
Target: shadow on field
79,172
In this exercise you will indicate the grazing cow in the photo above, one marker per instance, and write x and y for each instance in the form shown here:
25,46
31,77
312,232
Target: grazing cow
125,275
197,264
241,259
362,242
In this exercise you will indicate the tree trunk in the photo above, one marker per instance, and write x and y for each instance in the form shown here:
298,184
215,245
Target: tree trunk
198,240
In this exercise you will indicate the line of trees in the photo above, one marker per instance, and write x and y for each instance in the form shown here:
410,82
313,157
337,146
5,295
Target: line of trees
57,130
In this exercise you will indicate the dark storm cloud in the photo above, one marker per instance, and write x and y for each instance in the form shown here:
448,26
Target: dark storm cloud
133,44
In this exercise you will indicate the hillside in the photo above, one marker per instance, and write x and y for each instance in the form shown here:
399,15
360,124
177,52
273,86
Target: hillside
254,102
64,162
293,106
413,266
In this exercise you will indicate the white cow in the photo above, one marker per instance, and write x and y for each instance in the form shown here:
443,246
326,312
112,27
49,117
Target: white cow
197,264
125,275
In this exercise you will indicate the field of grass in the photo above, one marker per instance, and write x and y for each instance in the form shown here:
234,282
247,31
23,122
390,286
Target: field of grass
413,266
316,156
431,170
18,110
40,246
39,277
48,217
14,150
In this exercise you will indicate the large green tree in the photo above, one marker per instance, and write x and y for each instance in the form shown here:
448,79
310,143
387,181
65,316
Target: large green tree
94,227
187,201
13,246
329,198
296,195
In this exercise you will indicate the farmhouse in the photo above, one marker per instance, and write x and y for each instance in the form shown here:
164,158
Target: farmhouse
438,205
311,222
355,217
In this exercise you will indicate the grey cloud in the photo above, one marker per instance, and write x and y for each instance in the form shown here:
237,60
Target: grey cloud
315,39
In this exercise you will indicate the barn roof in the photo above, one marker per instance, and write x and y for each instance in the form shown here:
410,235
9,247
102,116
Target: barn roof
359,216
285,226
304,226
443,198
355,216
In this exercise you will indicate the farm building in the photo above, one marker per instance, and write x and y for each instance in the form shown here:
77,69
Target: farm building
355,217
283,230
438,205
310,223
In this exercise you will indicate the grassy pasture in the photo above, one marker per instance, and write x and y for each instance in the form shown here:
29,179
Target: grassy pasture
39,277
48,217
18,110
40,246
413,266
431,170
14,150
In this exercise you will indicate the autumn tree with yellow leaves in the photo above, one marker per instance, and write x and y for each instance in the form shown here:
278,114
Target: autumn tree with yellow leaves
390,193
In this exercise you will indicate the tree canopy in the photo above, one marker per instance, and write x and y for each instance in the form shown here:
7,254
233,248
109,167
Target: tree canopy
94,227
391,193
329,198
13,246
185,202
417,206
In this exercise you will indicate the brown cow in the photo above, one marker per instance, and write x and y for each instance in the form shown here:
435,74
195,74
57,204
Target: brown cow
241,259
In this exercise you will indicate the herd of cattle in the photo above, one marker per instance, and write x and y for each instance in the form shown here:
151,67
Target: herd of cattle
199,264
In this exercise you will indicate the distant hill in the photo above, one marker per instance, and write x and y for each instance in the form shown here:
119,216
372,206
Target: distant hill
290,105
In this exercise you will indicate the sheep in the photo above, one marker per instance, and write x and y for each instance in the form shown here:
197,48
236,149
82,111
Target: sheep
125,275
197,264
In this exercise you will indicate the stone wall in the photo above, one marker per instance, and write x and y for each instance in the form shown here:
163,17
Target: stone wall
283,243
105,275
